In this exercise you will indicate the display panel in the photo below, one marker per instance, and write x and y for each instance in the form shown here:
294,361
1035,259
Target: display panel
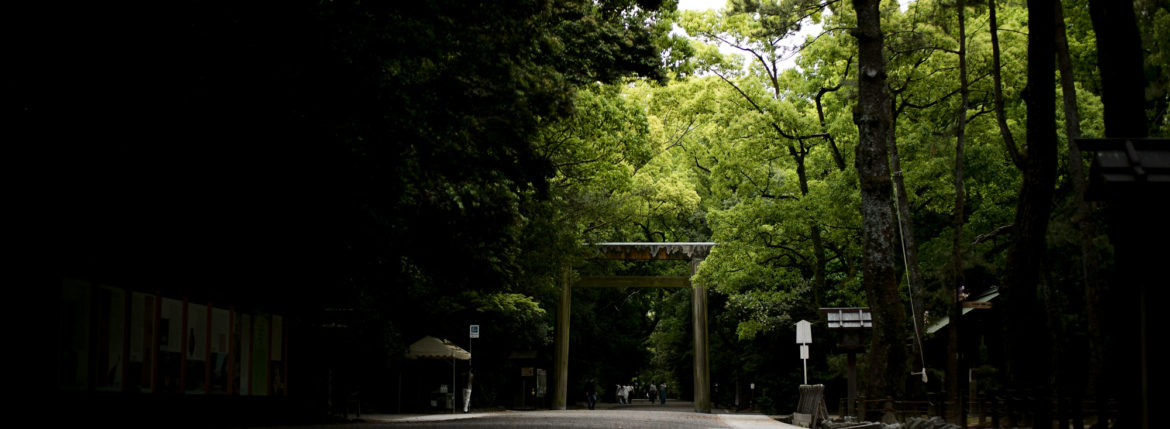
110,329
261,335
170,346
244,358
219,343
196,349
276,362
73,345
141,353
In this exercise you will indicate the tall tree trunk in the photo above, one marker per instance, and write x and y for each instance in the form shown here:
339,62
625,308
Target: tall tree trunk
1119,58
1136,219
799,155
887,353
819,282
814,230
909,246
1082,221
1028,342
955,277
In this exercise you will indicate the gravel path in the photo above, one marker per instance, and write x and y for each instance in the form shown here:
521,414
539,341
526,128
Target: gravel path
674,415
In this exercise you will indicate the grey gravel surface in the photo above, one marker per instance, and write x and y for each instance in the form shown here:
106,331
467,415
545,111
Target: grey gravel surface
676,415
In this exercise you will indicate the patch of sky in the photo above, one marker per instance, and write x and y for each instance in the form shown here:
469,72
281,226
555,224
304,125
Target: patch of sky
793,42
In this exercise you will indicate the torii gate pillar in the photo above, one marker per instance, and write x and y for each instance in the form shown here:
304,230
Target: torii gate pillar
561,365
702,364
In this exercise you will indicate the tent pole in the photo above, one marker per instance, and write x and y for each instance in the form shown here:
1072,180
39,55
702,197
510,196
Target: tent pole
453,383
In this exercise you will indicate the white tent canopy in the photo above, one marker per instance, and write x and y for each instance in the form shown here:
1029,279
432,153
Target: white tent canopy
433,348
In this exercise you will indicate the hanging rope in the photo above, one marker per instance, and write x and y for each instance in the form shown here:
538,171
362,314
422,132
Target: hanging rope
910,289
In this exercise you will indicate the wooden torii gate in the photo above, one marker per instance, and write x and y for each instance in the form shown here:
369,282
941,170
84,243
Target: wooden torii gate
693,252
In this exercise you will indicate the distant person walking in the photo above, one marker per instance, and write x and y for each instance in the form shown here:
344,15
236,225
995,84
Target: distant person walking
662,392
591,393
653,393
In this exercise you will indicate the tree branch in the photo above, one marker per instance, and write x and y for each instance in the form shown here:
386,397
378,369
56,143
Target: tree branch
1008,140
1001,230
837,158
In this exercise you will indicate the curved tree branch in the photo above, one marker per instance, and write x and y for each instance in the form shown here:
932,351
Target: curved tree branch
1008,140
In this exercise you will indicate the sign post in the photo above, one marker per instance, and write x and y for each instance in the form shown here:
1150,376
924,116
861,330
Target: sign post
473,334
804,338
811,409
851,321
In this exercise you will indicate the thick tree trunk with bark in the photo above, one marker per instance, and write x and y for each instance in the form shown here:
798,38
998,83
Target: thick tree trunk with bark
1137,219
1119,58
887,352
955,277
909,246
1025,285
819,262
1074,383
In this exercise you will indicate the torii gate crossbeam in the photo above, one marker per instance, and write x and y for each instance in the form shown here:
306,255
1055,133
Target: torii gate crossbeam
693,252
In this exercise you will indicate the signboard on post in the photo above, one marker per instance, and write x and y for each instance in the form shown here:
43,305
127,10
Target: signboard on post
474,331
976,304
803,332
804,337
850,321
